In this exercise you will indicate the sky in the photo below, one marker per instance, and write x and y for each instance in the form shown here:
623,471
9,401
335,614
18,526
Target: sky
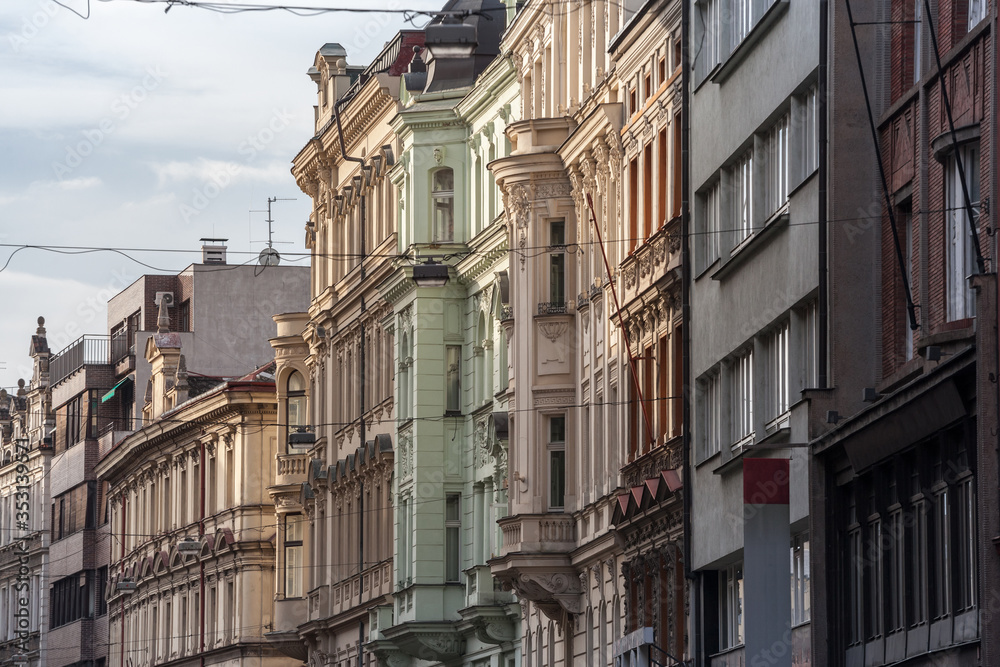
143,129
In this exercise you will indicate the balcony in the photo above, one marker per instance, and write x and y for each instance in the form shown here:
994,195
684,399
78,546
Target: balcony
535,562
361,589
292,468
87,349
288,615
538,533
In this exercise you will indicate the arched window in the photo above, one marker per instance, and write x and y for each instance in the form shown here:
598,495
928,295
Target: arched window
296,392
443,198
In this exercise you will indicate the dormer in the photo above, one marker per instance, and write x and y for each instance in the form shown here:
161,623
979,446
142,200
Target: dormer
332,76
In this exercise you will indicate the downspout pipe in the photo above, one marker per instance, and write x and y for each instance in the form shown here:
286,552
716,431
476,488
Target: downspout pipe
694,578
122,571
363,357
823,302
201,562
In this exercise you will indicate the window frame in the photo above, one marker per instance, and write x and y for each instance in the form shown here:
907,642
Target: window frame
556,462
453,538
297,520
442,201
960,259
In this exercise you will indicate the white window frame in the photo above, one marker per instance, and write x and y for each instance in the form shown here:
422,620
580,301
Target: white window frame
801,581
810,131
776,185
294,547
453,537
743,21
711,422
742,181
742,395
556,454
960,245
711,227
977,12
965,596
731,606
779,377
897,571
557,262
443,207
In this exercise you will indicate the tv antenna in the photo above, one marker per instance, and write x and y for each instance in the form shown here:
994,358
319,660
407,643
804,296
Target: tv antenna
269,256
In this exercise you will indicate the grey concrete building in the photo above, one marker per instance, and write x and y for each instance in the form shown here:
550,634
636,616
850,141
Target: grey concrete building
781,298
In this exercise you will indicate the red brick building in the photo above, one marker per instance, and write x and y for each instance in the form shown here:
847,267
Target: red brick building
910,525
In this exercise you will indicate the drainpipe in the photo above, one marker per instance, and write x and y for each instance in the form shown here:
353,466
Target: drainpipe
822,306
121,572
201,561
694,578
361,412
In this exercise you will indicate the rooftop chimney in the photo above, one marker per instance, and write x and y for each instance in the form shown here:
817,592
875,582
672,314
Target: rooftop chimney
213,251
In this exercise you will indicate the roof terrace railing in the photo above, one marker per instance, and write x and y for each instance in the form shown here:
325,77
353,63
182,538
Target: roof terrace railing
87,349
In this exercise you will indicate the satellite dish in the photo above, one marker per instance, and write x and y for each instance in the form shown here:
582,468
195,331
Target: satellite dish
269,257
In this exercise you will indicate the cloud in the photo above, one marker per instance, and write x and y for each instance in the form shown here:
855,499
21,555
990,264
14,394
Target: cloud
67,184
202,169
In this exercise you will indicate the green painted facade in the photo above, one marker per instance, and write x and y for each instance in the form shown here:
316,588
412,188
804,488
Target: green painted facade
452,376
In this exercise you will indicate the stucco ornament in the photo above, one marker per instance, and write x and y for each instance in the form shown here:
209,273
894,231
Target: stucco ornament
516,203
438,154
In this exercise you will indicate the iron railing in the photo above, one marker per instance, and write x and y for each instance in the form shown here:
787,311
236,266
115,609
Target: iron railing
87,349
552,308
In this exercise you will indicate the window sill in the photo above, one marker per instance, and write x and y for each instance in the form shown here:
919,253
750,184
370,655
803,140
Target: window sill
739,54
739,254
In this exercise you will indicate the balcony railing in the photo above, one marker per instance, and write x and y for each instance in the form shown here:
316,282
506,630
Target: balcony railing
87,349
552,308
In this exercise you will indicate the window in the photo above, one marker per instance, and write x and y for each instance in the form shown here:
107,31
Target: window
941,552
961,260
711,406
875,578
777,166
918,28
918,564
742,20
743,418
965,545
810,132
711,14
296,411
74,413
742,176
855,590
977,12
777,360
454,379
443,198
712,228
294,530
801,593
897,572
731,606
557,462
811,326
452,537
557,263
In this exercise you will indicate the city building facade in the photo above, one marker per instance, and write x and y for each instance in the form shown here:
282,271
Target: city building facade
27,422
335,368
765,327
448,302
192,562
909,563
102,390
593,544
